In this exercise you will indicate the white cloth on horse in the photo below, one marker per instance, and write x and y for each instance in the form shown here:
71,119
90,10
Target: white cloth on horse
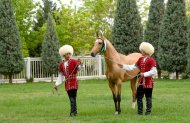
152,72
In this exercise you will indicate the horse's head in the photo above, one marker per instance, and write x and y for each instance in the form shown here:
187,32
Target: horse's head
99,45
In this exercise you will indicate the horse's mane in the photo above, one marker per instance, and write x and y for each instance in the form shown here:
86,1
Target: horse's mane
111,46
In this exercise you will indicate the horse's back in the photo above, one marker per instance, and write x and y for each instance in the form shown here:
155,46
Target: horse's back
131,58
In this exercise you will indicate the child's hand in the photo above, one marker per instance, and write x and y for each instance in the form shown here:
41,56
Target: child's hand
79,61
120,65
141,74
55,88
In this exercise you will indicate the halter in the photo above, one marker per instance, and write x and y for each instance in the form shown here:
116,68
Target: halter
103,49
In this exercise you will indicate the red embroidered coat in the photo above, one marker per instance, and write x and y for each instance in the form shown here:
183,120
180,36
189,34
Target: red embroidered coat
70,74
146,66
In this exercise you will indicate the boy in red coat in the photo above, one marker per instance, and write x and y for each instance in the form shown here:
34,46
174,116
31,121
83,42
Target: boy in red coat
69,68
147,66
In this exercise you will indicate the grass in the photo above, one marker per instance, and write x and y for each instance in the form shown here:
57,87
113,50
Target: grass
34,103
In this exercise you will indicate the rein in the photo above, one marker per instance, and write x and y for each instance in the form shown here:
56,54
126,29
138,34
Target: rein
119,63
65,79
103,49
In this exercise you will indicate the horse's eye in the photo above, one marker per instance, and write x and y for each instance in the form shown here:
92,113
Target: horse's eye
100,43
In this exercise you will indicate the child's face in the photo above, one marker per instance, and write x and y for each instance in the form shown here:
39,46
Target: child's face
143,53
67,56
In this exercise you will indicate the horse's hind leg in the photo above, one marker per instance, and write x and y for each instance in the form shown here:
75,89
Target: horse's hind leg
113,89
119,83
133,89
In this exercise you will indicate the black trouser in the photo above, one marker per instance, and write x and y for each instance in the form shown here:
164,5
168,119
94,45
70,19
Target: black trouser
140,94
72,97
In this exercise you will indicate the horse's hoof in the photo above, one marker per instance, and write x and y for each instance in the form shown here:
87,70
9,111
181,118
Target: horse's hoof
116,113
133,105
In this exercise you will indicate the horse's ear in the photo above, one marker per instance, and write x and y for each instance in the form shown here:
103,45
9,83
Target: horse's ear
102,34
97,35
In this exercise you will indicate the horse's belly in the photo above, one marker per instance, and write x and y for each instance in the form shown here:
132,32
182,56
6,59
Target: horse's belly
116,75
130,75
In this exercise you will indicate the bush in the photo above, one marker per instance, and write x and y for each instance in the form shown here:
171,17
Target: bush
186,75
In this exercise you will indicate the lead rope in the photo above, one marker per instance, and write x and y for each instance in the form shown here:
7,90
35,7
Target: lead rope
119,63
56,89
103,49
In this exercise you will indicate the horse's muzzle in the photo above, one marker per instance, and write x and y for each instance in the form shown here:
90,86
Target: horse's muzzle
92,54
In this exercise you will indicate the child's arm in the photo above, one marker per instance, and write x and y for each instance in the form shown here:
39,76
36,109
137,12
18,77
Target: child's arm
128,67
59,79
80,65
152,72
60,76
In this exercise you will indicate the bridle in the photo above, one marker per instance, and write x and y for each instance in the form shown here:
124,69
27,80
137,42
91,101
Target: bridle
104,46
103,49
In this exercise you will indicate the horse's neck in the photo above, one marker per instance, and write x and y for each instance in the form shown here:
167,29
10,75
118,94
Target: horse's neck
110,54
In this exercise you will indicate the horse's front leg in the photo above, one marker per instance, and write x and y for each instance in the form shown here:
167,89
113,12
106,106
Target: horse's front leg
119,83
113,89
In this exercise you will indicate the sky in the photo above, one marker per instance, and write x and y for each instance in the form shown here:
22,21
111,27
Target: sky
79,3
76,3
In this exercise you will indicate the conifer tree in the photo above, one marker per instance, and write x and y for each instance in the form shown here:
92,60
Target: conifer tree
11,60
152,30
127,31
173,38
188,48
50,48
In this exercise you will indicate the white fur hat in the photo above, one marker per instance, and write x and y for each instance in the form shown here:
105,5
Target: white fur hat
147,48
66,49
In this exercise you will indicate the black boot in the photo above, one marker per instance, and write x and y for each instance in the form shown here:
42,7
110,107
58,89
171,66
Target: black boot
73,107
148,105
140,95
140,106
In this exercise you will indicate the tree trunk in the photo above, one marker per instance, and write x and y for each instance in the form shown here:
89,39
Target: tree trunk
51,77
159,73
177,75
10,79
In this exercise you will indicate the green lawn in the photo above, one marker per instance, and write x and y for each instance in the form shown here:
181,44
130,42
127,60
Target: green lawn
34,103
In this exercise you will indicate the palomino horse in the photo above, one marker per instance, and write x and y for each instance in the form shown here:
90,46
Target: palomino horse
114,73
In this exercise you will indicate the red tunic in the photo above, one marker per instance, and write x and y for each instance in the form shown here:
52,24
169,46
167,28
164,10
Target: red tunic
70,73
145,66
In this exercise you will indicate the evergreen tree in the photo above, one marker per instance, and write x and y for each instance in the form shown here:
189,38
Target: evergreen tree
173,38
34,42
50,48
11,61
42,13
188,48
152,30
127,30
